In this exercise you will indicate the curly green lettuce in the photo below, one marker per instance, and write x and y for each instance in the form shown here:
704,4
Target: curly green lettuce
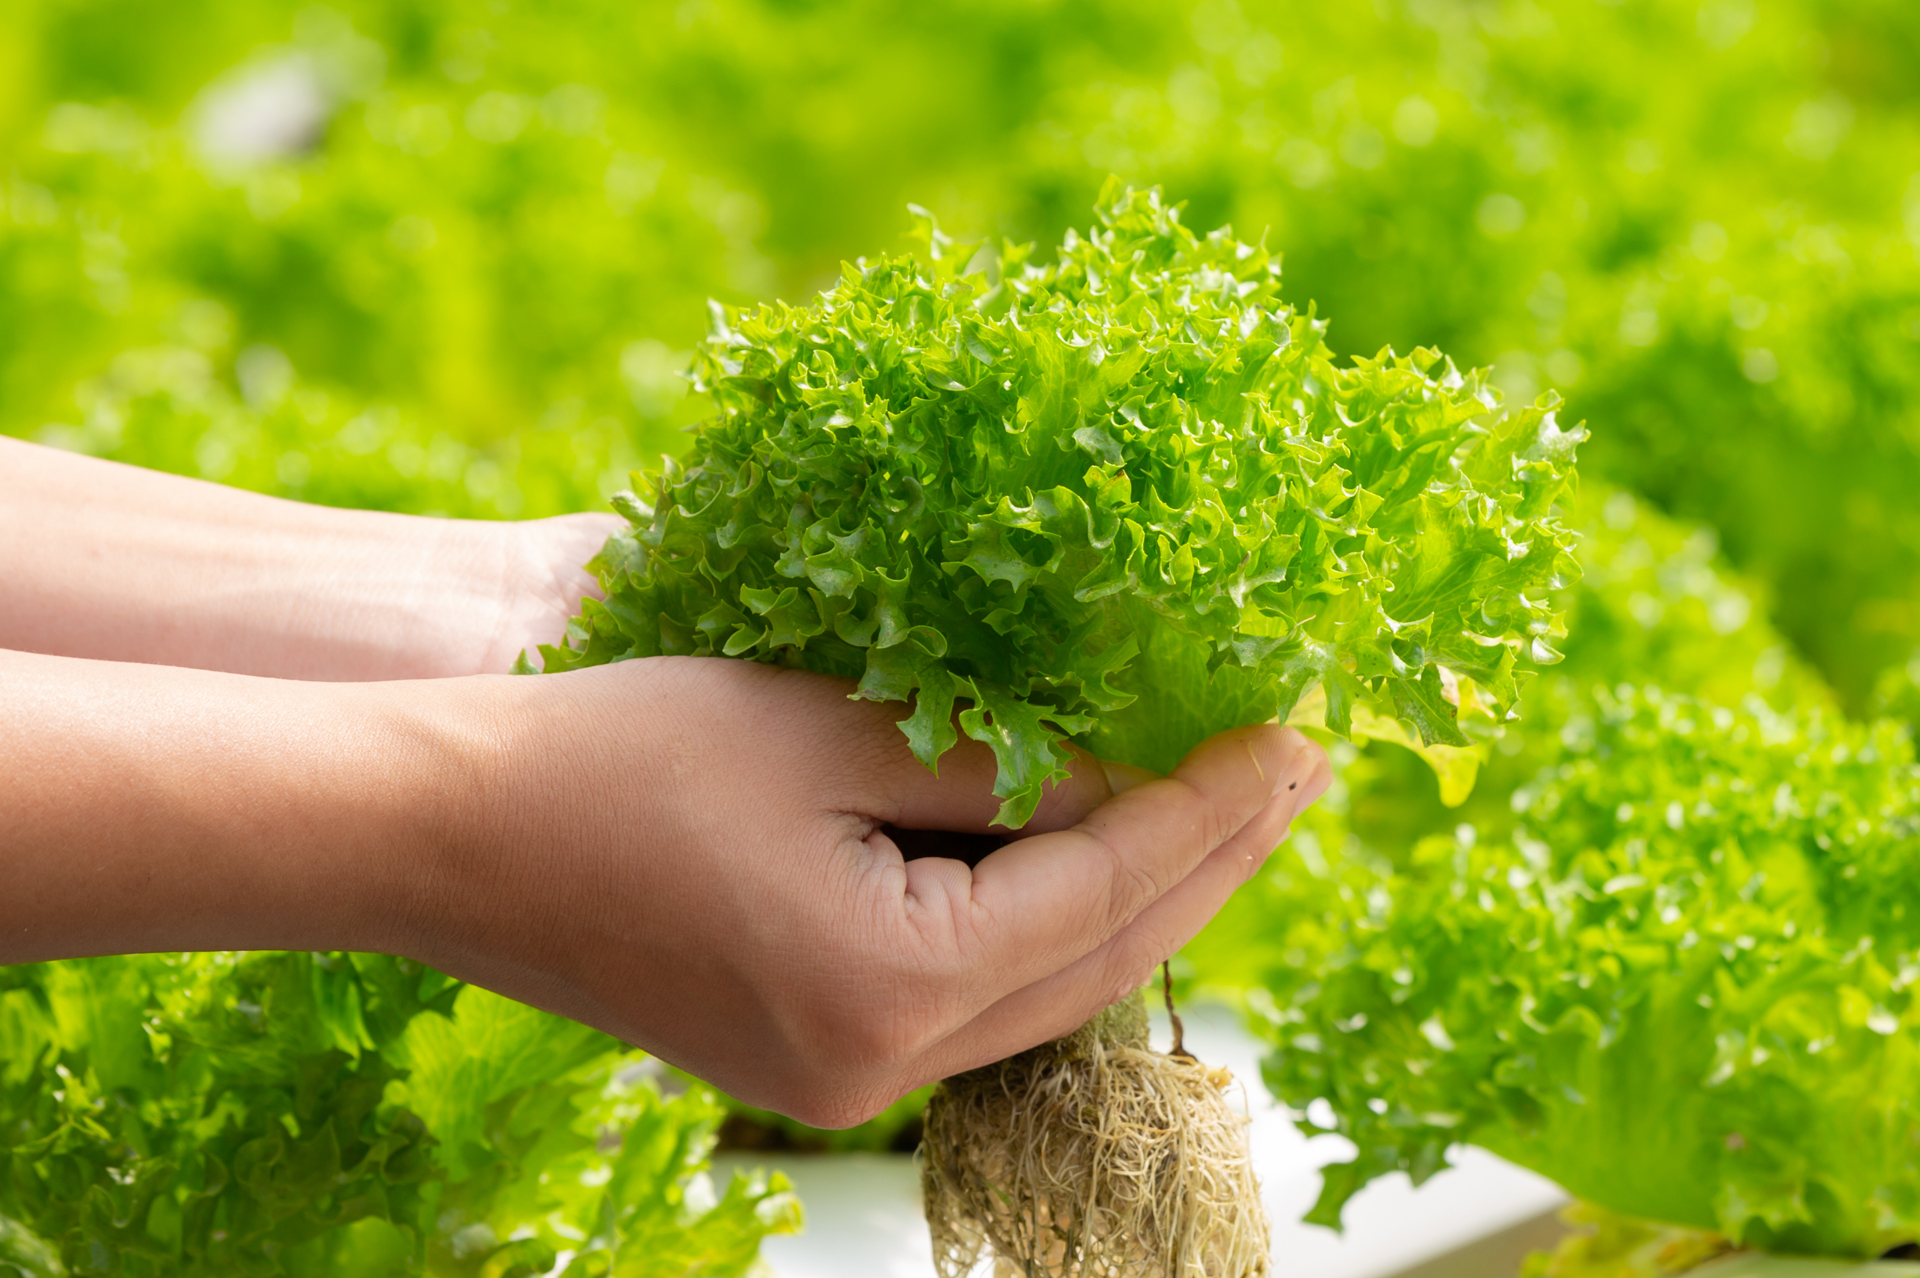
343,1114
1126,498
1683,987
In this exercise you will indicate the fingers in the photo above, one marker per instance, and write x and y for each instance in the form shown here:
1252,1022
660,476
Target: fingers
1061,1002
894,786
1042,904
838,755
961,797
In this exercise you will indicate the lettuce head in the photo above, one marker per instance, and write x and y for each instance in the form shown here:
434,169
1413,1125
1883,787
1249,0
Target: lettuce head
1126,498
1681,984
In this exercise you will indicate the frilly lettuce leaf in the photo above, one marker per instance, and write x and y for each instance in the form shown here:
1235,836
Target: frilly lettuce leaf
1126,498
1681,984
1455,767
322,1114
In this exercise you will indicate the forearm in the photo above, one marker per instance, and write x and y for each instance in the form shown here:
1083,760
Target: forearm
148,808
116,563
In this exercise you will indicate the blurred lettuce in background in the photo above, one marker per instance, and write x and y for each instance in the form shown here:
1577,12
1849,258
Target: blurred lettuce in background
450,258
344,1114
411,242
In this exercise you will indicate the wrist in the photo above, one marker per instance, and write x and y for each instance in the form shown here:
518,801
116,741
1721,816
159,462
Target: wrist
426,795
477,880
485,592
331,799
540,568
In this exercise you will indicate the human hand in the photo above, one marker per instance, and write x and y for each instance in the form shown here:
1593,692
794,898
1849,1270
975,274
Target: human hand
516,586
689,854
686,852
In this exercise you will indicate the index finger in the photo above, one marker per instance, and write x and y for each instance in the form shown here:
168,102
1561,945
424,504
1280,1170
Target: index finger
854,758
1039,904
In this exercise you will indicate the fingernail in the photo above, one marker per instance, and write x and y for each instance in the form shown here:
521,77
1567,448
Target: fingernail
1122,777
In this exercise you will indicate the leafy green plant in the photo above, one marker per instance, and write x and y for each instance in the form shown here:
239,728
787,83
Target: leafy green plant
317,1114
1680,986
1127,497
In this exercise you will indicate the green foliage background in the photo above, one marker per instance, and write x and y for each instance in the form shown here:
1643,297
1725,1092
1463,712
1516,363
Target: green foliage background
469,292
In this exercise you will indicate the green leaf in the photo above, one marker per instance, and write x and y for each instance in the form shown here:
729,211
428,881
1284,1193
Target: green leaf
1423,704
487,1049
889,676
1339,1182
26,1253
930,731
1026,743
337,1003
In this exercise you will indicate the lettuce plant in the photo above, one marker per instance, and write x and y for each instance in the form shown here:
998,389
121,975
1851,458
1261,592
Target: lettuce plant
321,1114
1681,986
1126,497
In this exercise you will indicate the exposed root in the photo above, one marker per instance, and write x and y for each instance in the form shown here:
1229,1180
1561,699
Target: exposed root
1093,1157
1179,1047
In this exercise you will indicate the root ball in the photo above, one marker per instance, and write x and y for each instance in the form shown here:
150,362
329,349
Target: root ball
1093,1156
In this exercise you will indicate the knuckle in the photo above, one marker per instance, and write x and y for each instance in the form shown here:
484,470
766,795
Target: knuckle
840,1085
836,1111
861,1041
1211,823
1216,825
1135,886
1133,962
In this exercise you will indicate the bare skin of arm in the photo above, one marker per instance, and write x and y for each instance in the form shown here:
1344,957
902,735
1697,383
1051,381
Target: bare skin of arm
117,563
687,853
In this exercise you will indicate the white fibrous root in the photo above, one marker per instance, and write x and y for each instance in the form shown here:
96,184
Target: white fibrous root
1093,1156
